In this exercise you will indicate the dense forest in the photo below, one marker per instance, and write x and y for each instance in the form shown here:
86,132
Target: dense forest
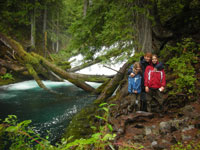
38,38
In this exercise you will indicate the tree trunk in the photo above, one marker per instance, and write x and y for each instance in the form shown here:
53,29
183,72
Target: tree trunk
33,29
85,8
112,85
142,27
57,33
45,30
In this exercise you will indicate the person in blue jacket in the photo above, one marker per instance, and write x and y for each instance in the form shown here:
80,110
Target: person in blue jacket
134,85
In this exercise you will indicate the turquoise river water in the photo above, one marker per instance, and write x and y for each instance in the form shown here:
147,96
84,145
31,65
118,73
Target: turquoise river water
50,113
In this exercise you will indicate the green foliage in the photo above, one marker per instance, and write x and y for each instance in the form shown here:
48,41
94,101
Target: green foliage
20,135
136,57
186,146
182,57
107,23
7,76
61,58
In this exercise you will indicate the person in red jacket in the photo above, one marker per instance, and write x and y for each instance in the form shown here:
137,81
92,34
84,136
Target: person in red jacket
154,82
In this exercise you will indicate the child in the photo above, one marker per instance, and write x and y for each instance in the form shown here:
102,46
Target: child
154,82
134,84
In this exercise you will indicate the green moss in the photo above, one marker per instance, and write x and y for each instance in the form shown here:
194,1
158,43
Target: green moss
80,126
7,81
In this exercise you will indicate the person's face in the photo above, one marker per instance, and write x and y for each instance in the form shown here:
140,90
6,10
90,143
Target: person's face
138,69
154,60
147,58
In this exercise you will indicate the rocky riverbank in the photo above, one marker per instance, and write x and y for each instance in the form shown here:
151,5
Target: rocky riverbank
159,132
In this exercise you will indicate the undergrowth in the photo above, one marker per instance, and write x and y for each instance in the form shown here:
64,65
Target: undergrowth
180,60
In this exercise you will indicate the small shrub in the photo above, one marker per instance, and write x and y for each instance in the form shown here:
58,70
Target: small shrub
7,76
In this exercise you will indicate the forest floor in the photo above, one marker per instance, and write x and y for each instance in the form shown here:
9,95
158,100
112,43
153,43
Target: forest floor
156,131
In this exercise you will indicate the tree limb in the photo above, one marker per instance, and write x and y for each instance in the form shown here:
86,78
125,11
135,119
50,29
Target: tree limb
112,85
66,75
108,55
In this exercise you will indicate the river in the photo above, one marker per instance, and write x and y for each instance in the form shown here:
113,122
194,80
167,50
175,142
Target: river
50,113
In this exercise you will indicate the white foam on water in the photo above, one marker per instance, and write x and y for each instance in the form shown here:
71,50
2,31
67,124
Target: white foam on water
96,69
7,96
25,85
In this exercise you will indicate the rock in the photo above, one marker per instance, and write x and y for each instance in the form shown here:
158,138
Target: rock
154,144
139,126
173,140
151,137
3,71
120,131
165,127
197,125
148,130
138,138
186,137
188,128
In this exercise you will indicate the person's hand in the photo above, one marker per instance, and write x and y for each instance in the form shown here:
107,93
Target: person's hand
147,89
162,89
132,75
135,92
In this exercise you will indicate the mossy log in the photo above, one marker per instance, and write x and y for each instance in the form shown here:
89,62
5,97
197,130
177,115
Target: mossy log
62,73
36,64
112,85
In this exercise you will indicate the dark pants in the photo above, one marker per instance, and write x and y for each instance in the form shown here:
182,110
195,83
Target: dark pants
135,102
154,97
143,103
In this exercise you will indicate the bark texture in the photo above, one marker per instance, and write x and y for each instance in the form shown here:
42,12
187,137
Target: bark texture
142,27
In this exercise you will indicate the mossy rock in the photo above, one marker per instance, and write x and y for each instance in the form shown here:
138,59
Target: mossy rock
80,126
